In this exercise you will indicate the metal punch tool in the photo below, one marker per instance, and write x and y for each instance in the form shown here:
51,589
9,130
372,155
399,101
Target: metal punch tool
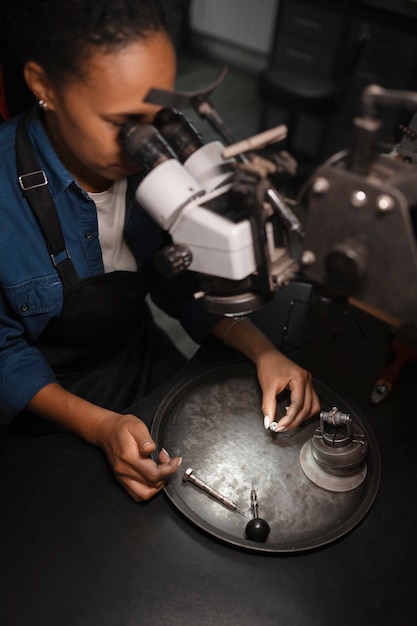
192,478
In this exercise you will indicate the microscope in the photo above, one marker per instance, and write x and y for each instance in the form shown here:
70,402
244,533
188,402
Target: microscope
227,220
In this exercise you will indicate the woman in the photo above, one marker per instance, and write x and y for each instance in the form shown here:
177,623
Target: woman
77,343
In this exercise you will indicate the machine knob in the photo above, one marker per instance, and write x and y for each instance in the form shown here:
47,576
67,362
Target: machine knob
346,263
173,260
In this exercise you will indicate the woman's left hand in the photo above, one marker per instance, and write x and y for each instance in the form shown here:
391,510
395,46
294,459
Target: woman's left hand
275,374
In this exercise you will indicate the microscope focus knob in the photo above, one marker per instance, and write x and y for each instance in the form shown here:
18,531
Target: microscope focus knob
173,260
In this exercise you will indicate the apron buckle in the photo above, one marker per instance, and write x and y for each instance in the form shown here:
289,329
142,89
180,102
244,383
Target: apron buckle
33,180
60,257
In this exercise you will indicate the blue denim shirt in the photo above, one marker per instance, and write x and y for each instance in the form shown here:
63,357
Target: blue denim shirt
31,292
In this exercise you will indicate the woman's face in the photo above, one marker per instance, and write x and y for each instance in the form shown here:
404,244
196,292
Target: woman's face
84,119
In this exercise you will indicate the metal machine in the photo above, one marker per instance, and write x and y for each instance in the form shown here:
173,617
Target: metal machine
362,218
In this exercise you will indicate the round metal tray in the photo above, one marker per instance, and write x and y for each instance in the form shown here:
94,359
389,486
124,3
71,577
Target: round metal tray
214,421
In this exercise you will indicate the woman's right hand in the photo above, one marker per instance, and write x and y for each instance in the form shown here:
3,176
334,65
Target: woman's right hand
125,439
128,446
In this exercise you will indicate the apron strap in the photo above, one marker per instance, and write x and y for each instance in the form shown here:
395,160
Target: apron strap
34,184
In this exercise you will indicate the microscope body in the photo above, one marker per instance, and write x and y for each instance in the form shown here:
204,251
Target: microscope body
198,220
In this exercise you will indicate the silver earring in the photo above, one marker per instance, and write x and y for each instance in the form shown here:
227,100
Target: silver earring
43,104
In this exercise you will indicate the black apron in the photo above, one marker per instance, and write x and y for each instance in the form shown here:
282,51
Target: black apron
105,347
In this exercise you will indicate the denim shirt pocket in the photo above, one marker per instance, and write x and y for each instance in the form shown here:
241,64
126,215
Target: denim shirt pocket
37,296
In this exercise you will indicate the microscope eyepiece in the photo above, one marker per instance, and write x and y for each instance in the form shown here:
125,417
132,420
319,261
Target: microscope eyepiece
145,145
179,132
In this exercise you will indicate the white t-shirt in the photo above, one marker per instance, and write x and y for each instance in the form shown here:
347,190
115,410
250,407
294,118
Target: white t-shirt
111,209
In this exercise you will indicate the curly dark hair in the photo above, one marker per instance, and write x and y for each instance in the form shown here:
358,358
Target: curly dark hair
60,35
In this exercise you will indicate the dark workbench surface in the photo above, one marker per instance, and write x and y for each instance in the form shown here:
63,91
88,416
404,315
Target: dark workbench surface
76,550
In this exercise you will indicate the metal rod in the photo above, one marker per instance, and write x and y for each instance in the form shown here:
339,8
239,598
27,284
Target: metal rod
192,478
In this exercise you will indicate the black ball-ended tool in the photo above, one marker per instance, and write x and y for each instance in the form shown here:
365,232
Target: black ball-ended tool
257,529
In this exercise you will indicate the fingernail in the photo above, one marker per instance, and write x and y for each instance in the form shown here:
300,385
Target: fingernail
167,453
267,421
180,461
280,429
